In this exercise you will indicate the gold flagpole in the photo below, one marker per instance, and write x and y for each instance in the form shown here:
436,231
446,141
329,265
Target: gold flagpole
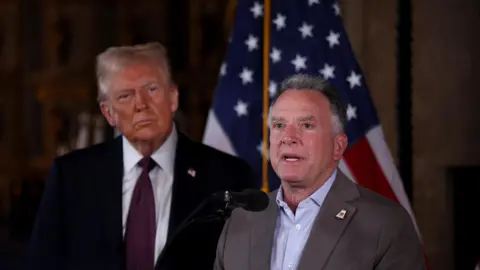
266,77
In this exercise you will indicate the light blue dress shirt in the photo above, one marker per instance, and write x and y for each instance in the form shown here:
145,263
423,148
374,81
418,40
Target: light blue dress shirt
292,230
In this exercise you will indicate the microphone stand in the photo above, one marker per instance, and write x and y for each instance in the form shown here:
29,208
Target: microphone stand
221,214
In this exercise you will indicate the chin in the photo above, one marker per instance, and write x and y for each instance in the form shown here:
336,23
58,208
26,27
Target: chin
289,173
291,178
146,134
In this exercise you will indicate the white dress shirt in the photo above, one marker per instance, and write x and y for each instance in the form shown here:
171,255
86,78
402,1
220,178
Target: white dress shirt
161,177
292,230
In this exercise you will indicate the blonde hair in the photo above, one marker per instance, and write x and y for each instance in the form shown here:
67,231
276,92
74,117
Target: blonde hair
115,59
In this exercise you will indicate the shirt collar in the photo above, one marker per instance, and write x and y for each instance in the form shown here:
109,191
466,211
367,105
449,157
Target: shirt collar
318,196
164,156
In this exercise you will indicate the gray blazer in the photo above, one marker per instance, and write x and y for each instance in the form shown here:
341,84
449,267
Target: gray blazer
375,233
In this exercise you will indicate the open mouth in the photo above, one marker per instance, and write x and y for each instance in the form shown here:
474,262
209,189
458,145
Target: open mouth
291,157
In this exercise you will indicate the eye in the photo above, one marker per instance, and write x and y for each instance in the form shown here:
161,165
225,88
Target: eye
308,125
153,88
123,97
278,125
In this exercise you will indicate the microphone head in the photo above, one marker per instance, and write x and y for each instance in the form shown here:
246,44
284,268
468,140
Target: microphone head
251,199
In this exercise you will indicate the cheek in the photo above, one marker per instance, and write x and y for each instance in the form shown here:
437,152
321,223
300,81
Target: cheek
275,137
273,152
122,116
273,147
316,146
311,142
162,105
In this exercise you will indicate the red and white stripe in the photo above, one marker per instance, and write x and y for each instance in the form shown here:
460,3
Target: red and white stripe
369,163
215,137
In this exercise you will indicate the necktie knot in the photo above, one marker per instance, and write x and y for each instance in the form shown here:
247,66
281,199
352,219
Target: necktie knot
147,164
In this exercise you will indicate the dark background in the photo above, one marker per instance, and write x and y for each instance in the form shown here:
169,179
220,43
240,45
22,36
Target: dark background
47,54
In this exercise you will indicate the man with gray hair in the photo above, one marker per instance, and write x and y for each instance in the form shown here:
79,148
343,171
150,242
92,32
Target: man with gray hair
121,204
318,218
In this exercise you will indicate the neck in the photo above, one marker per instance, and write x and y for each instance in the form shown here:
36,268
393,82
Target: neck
295,193
146,148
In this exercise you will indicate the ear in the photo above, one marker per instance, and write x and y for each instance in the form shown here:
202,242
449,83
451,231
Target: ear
174,98
340,143
107,113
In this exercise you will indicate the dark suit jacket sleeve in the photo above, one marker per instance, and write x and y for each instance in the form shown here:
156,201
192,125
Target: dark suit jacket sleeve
400,246
44,251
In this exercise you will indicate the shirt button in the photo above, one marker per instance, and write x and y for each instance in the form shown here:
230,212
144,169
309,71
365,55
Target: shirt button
290,265
297,227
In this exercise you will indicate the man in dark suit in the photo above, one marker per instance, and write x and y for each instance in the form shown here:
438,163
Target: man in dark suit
120,204
318,218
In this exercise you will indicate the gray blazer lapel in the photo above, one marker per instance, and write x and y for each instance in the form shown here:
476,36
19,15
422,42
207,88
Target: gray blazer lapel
327,228
262,236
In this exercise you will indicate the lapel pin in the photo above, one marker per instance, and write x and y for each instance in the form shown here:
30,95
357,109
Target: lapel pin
192,172
341,214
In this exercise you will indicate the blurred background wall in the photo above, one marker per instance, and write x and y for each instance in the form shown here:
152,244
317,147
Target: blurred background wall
47,54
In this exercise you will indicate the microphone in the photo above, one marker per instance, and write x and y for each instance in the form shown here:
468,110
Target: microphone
249,199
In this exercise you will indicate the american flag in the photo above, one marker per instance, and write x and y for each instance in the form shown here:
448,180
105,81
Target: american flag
306,36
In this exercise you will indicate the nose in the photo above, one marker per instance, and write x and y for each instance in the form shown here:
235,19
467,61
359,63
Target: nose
140,101
290,136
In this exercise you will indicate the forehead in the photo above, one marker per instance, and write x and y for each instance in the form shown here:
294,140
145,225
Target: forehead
139,70
301,103
136,74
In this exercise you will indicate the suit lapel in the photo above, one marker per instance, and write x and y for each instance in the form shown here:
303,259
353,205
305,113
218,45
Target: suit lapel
188,188
328,228
188,191
262,236
109,182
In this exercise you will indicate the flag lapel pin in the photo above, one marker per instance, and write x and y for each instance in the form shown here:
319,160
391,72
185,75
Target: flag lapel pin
191,172
341,214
